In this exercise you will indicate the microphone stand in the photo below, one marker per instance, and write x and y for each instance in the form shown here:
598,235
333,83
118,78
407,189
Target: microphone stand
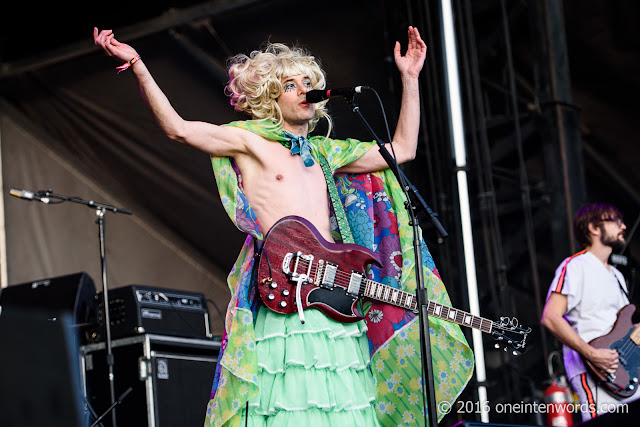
112,407
428,394
100,220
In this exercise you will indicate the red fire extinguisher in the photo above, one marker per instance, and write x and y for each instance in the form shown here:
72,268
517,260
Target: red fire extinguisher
558,397
559,401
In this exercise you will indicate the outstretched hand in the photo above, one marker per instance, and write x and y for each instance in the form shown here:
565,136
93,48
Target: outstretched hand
112,47
411,63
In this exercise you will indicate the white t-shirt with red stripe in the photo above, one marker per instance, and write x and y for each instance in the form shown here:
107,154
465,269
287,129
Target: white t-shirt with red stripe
594,298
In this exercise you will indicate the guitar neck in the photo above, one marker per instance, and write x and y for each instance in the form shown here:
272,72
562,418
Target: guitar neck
406,300
635,336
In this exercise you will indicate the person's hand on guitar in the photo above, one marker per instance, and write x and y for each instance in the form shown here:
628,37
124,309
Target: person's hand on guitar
604,359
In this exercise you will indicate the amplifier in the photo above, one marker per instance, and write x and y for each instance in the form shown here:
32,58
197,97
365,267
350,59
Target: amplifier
137,309
170,378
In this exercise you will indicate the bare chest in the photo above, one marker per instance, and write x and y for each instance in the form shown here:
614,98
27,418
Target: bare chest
278,184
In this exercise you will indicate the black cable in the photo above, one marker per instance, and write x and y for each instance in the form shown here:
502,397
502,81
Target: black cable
384,117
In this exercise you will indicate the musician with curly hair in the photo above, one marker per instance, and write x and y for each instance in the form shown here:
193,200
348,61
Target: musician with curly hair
275,369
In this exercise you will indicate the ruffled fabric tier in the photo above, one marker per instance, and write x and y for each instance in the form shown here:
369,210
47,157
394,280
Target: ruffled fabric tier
311,374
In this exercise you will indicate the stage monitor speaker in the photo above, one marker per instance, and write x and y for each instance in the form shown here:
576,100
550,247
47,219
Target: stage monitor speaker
73,294
40,378
627,415
473,424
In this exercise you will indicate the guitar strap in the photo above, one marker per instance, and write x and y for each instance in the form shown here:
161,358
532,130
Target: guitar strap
622,287
338,208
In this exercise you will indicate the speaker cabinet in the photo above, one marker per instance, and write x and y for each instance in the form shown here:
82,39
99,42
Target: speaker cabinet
73,294
40,377
170,377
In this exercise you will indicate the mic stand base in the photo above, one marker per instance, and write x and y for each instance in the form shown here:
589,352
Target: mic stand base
112,408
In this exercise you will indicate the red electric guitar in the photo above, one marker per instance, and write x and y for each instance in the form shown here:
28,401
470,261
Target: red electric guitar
299,269
626,340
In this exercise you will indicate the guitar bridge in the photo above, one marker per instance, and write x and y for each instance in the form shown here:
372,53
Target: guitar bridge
298,260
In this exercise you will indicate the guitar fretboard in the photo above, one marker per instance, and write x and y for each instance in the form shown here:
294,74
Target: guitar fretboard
406,300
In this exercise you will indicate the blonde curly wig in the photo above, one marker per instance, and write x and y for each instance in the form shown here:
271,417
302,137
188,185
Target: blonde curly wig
255,81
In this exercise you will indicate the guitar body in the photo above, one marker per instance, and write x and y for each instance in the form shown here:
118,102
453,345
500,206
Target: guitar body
278,290
624,382
296,260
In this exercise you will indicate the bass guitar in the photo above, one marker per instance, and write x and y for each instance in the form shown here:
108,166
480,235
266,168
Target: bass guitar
625,339
299,269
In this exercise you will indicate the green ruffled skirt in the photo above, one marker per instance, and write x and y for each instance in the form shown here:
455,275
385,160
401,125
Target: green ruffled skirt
312,374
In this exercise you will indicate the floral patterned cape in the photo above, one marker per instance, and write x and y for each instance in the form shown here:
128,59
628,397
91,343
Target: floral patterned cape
374,204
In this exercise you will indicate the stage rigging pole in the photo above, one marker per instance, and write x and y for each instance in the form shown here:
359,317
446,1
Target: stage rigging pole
456,132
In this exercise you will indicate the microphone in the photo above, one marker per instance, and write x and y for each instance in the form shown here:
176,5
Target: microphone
314,96
26,194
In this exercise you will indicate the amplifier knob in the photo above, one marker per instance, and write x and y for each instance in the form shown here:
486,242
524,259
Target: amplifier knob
271,297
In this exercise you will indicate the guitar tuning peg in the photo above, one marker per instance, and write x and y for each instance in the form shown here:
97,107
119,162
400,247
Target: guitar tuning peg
515,353
496,346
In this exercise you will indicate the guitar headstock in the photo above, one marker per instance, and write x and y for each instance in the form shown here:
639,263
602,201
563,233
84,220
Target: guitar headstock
509,333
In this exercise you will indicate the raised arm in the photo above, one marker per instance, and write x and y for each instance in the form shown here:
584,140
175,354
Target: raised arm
405,139
207,137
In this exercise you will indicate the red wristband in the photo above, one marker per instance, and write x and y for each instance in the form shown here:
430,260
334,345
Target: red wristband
126,65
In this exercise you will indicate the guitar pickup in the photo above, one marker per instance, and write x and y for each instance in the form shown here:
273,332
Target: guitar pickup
355,283
622,359
329,275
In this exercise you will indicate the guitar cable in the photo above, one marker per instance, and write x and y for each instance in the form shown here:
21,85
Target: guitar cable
258,251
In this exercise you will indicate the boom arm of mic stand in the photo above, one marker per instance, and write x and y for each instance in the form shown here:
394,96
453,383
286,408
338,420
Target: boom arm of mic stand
89,203
407,186
417,199
428,394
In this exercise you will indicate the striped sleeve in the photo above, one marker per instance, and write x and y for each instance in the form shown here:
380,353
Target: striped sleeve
559,282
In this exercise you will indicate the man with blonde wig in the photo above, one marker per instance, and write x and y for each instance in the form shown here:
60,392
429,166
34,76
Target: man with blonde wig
256,79
273,369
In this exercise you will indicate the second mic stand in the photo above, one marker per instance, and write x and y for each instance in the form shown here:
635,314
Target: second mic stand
428,395
100,220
